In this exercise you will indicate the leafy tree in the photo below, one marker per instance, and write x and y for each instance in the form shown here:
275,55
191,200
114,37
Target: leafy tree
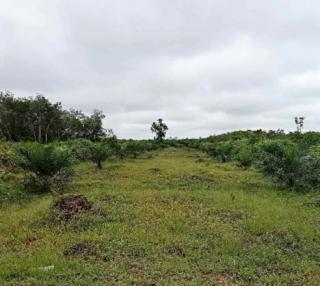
37,119
13,112
73,124
44,118
99,152
92,126
160,129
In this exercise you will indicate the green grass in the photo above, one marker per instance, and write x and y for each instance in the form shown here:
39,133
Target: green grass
170,220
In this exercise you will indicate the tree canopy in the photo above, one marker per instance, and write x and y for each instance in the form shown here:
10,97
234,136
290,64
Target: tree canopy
160,128
37,119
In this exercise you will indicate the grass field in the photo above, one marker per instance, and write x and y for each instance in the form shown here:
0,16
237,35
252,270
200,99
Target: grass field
177,218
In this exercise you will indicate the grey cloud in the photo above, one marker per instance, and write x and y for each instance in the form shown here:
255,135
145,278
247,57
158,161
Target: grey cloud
204,66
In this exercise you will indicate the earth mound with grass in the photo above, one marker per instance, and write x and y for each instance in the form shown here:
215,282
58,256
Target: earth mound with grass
72,205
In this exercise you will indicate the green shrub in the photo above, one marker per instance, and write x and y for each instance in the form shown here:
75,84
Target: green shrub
7,156
133,148
80,149
307,175
296,168
243,153
11,193
46,167
221,151
99,152
278,159
205,146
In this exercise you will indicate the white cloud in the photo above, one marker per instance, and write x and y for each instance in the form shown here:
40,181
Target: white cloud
302,83
204,66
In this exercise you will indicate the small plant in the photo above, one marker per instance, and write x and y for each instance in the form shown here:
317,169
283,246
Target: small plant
133,148
99,152
46,167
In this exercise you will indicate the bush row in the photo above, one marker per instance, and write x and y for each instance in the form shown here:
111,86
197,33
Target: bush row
292,160
49,167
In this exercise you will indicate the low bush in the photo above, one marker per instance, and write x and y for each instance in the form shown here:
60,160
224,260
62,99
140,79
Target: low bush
221,151
307,174
289,165
99,152
46,167
278,159
80,148
243,153
133,148
7,156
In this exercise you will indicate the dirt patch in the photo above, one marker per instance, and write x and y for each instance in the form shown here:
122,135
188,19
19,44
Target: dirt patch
72,205
84,249
155,170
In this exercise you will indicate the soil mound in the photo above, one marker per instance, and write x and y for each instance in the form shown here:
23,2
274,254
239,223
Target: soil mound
72,205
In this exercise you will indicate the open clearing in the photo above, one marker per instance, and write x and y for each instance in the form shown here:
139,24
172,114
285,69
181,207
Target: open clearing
177,218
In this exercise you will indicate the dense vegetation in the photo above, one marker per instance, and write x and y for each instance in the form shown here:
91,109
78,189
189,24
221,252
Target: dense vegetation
37,119
292,160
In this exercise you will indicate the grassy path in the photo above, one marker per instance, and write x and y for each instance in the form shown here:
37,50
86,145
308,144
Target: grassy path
177,218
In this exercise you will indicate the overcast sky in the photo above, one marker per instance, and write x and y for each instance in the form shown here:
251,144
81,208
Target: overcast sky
204,66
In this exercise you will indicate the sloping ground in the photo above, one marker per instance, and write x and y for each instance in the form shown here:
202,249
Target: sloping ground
175,219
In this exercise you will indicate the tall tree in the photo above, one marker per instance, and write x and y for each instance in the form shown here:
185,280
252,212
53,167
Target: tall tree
160,128
40,120
93,129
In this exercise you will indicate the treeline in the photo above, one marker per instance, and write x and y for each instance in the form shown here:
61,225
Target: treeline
37,119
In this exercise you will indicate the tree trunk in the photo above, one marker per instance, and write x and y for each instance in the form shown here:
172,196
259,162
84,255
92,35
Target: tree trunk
39,133
8,132
47,131
99,165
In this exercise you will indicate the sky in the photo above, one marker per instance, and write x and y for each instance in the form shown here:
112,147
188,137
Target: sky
204,66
